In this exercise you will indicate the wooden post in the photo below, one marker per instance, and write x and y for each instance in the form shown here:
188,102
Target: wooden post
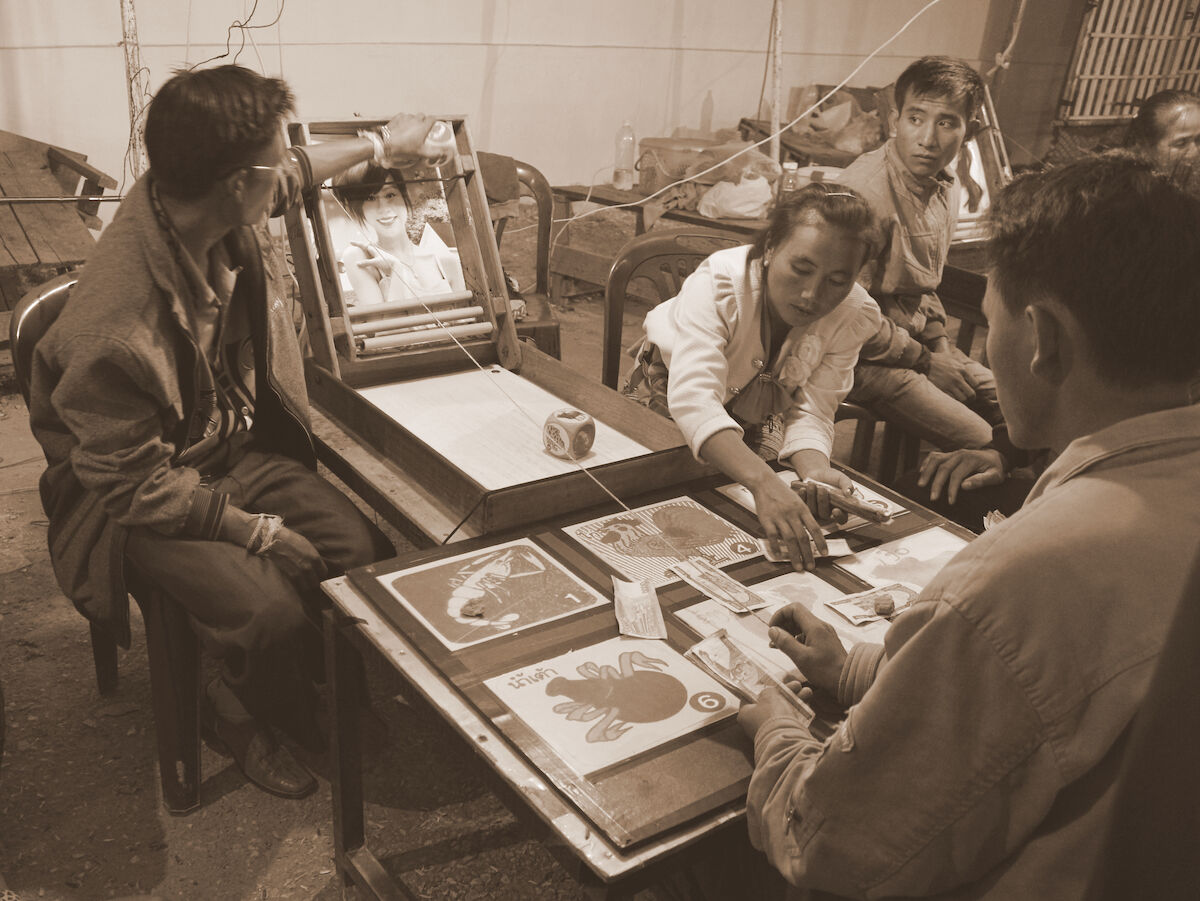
138,87
776,76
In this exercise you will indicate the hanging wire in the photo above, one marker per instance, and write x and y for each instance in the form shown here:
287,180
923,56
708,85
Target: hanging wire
832,91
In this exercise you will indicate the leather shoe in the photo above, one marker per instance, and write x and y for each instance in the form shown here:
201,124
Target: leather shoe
258,754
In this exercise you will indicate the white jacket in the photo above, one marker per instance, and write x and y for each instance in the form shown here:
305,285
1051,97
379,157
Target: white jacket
711,340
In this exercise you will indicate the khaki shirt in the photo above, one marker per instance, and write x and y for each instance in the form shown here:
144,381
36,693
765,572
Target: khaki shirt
980,754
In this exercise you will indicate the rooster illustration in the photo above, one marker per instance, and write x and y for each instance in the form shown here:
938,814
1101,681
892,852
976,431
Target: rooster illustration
682,530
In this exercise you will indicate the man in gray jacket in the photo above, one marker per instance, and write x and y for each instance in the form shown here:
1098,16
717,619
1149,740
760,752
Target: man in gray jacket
169,398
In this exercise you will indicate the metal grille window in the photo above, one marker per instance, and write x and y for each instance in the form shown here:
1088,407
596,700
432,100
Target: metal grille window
1128,50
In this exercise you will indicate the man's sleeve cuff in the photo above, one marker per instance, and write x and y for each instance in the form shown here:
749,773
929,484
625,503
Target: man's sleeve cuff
858,672
204,519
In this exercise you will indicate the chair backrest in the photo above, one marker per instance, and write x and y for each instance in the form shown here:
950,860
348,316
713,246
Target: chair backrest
961,293
664,259
536,184
34,313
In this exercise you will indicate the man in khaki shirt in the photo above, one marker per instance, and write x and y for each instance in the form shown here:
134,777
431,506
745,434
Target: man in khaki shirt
979,753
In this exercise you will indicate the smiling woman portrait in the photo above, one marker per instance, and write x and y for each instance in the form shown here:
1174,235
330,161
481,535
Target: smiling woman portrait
387,264
754,354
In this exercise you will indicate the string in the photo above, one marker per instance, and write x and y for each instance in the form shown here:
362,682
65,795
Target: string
832,91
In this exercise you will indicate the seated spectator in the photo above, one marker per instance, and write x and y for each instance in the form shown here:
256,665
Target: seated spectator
909,372
1167,130
982,743
754,354
169,399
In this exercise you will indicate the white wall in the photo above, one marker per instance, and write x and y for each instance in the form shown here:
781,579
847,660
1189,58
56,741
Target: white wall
547,81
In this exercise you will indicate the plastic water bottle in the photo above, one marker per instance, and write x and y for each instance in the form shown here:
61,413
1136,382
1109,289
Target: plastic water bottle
789,183
623,167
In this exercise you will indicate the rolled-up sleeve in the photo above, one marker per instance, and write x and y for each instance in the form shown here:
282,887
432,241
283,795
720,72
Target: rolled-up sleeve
915,792
121,453
693,331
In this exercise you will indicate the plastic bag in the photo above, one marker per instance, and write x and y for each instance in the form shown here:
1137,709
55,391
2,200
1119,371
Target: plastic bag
747,163
747,199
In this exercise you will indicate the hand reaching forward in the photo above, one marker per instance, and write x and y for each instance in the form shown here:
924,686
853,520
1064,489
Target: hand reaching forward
789,524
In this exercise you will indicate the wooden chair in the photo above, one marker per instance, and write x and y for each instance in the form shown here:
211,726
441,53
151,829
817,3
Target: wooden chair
539,324
663,260
170,644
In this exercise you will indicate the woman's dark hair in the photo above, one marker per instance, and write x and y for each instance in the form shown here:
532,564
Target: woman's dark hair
354,186
1150,124
204,124
820,203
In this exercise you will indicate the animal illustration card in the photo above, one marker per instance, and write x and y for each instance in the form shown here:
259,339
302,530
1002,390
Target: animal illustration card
601,705
475,597
645,543
912,561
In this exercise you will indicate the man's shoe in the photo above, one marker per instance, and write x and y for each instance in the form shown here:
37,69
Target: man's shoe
259,755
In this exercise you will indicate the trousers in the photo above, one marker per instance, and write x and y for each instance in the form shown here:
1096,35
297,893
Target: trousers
919,406
246,611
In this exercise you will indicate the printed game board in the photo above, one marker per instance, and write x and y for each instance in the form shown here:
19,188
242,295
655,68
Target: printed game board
912,560
644,543
472,598
604,704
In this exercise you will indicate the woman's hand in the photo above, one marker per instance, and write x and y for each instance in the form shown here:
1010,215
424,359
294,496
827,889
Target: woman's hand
379,263
789,524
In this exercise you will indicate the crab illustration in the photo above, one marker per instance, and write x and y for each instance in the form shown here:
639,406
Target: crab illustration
618,696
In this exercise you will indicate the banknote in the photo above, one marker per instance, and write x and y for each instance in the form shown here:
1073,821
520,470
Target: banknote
874,604
639,614
741,670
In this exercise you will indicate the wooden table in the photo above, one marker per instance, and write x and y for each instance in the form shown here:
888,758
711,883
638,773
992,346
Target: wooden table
355,623
37,240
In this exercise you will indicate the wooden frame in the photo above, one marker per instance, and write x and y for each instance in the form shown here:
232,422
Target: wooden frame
338,369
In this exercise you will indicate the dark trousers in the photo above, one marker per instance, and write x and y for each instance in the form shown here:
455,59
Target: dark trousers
245,610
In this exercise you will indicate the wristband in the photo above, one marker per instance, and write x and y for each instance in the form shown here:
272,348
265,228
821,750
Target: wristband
264,534
379,154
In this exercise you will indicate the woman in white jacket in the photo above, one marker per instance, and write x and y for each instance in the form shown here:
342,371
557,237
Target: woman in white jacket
754,354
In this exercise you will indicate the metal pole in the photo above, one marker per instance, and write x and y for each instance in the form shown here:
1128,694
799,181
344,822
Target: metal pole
138,86
776,76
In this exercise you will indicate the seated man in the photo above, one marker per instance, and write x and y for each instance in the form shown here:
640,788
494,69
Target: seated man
169,399
979,753
909,372
1166,131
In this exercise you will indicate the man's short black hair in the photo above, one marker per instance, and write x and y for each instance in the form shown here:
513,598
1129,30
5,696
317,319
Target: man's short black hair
204,124
1119,245
1150,124
941,76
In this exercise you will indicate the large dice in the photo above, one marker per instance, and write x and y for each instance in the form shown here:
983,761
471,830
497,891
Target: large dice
569,433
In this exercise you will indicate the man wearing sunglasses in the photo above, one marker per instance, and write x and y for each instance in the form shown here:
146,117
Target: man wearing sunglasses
169,398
